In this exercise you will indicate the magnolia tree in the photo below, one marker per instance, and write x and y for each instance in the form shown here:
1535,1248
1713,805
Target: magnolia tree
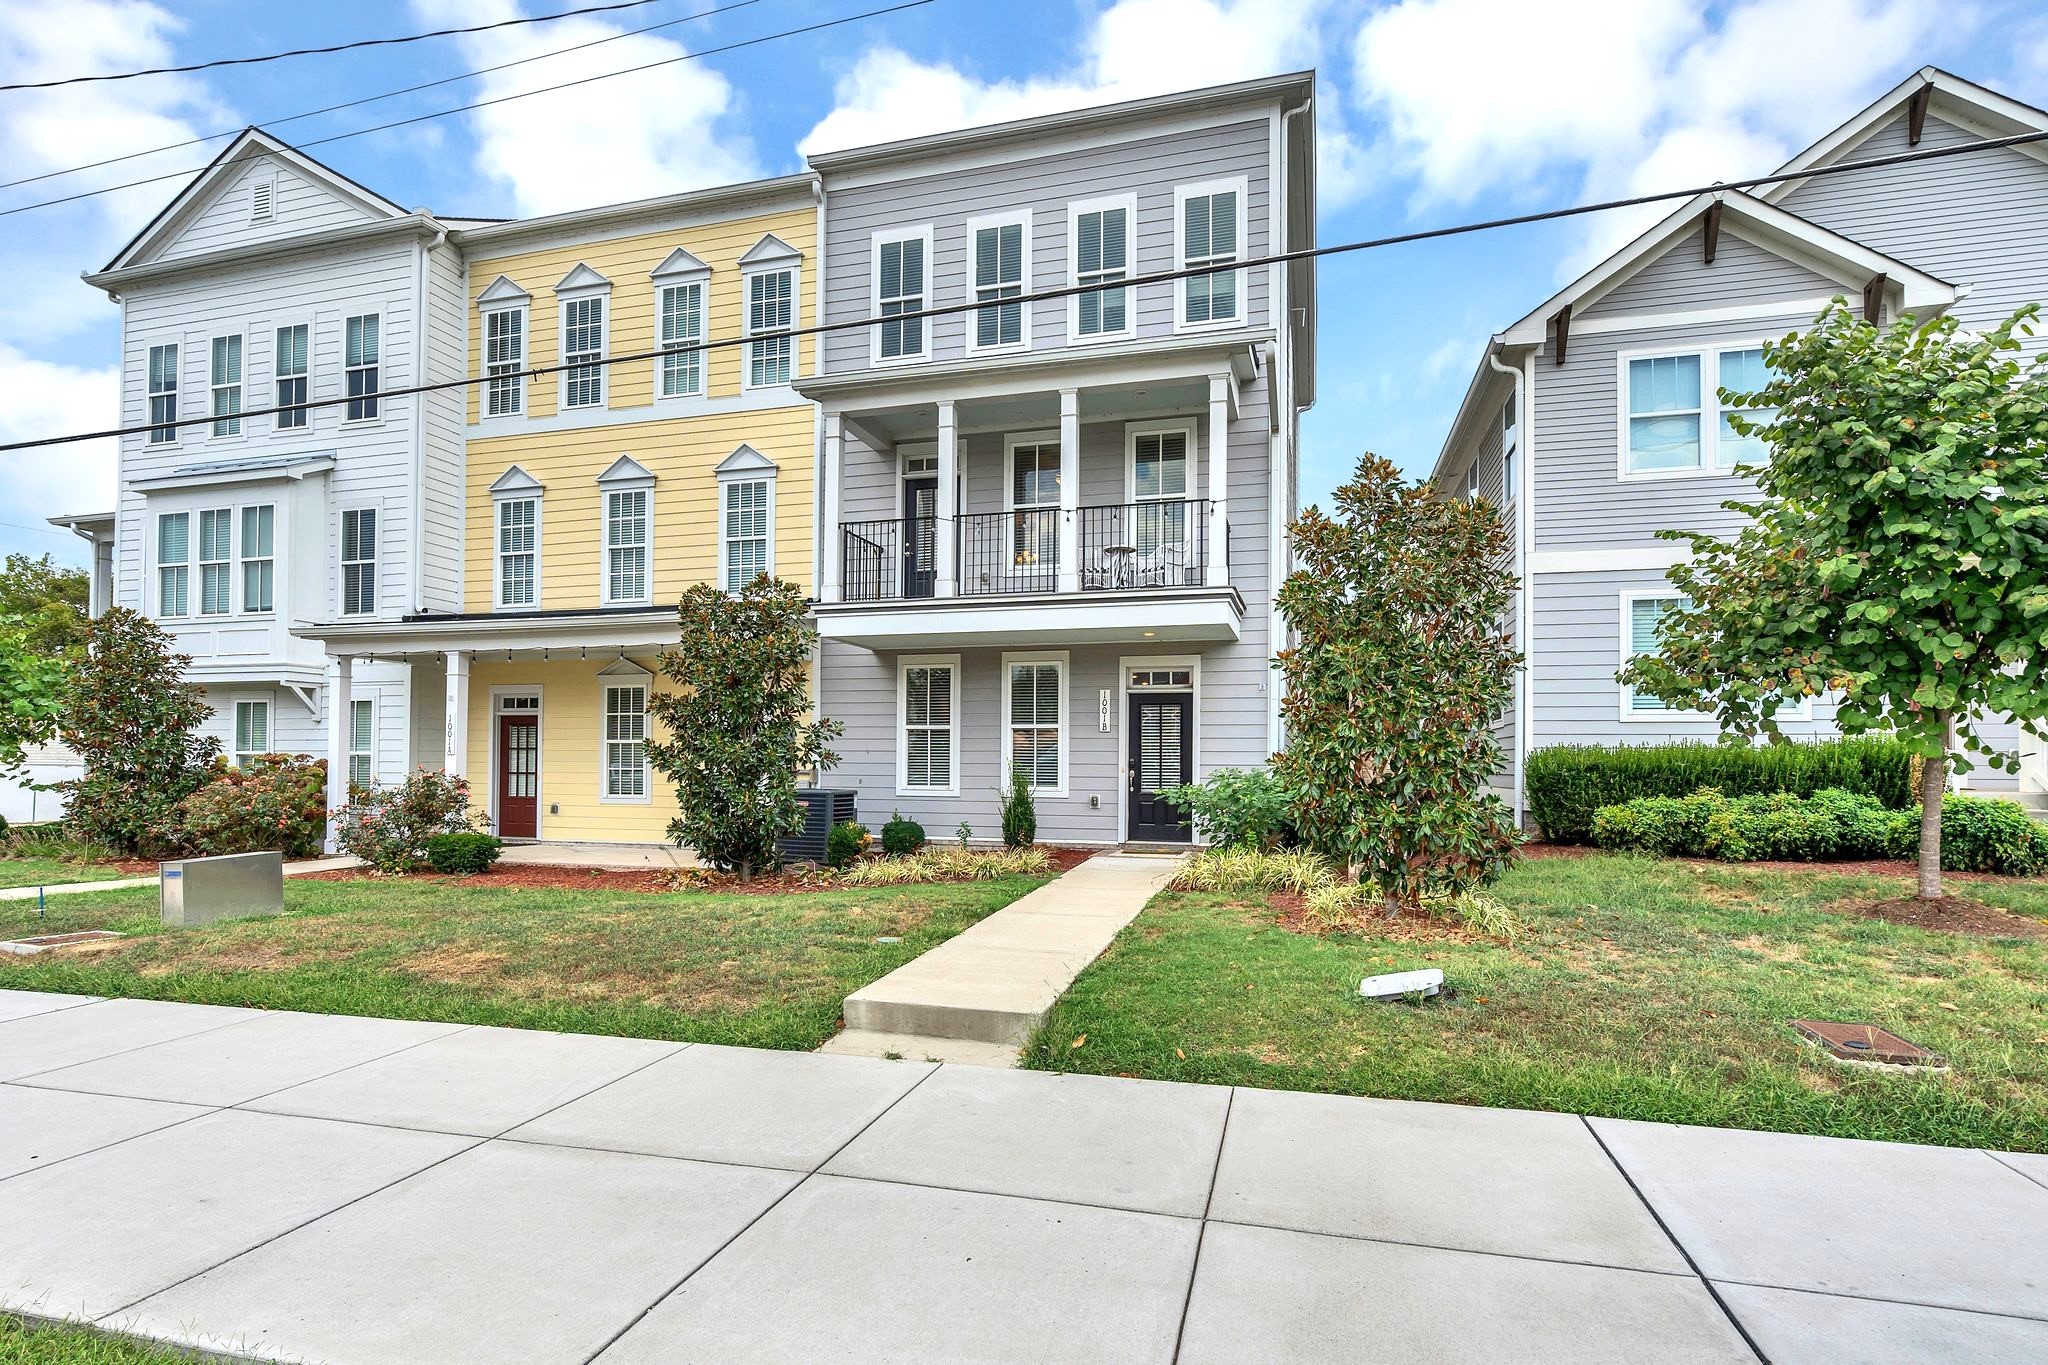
1401,671
1897,556
738,717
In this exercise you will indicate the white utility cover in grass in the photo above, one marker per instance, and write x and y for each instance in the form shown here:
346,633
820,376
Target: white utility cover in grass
1394,985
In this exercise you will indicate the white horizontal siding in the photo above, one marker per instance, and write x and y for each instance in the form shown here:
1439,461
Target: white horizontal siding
299,206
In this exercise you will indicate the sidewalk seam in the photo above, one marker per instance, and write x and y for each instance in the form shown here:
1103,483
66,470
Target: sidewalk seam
1180,1331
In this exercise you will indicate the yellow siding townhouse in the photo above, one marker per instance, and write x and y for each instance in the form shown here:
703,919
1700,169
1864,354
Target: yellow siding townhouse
593,496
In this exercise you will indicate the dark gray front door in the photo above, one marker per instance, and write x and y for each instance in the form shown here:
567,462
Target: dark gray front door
920,529
1162,755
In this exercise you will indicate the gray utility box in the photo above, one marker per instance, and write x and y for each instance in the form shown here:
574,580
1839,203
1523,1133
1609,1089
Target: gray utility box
202,890
822,810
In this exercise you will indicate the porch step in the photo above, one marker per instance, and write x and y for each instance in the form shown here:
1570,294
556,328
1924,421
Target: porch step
917,1047
2036,804
1153,850
995,982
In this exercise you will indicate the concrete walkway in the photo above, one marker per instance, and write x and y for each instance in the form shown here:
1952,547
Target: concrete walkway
976,997
359,1191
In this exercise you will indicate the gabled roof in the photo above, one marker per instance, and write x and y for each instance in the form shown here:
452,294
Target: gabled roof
516,480
770,250
626,469
249,144
745,460
582,277
503,290
679,262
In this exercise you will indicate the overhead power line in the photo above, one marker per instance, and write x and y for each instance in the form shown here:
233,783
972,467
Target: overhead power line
268,123
320,51
500,99
1069,291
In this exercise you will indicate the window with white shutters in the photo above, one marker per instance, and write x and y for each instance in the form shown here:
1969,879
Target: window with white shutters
504,357
744,535
173,556
1101,252
358,561
1036,704
899,287
163,394
518,551
363,352
288,366
771,296
226,385
625,742
216,567
682,336
928,725
1210,235
362,740
252,731
582,348
999,274
259,557
626,533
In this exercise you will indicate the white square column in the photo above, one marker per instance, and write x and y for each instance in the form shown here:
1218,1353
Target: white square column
455,716
1218,574
946,535
340,719
1070,490
831,581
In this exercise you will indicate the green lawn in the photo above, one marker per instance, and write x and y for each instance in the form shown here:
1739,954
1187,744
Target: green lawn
756,970
21,1344
1643,989
52,872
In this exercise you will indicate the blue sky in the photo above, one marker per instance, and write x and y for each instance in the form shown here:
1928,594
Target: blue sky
1430,111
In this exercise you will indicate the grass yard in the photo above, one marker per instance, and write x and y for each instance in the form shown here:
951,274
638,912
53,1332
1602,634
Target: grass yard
22,1344
54,872
756,970
1641,989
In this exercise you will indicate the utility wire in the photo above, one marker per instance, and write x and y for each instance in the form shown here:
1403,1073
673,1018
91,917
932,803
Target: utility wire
500,99
1070,291
268,123
319,51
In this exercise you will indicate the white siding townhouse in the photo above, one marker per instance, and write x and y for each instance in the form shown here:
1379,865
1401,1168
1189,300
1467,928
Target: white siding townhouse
1593,421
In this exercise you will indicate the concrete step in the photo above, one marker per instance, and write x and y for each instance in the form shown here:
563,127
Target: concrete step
915,1047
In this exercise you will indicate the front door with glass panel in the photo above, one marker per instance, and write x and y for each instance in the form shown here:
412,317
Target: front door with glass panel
519,777
920,536
1162,755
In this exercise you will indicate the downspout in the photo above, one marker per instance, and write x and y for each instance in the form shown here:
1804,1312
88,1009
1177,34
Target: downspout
1525,434
1279,478
821,534
417,554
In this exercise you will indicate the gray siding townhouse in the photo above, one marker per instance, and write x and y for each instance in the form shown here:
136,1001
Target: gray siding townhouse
1050,531
1593,420
269,280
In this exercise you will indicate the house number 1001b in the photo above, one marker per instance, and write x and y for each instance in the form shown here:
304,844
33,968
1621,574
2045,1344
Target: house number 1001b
1102,710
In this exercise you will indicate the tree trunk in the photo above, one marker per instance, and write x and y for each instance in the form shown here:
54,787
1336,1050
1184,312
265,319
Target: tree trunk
1933,782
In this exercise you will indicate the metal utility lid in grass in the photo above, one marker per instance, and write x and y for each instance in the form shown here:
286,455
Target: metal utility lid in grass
42,943
1868,1045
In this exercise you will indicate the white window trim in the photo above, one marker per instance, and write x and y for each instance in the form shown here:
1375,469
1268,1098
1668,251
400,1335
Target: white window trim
624,673
1629,598
762,476
1185,425
663,283
157,564
311,415
604,544
1709,356
563,298
904,664
540,759
1011,442
231,562
921,233
522,379
383,368
1129,203
1181,194
176,392
1124,666
371,752
377,560
236,701
1510,447
241,384
1058,658
796,320
243,559
498,503
1021,218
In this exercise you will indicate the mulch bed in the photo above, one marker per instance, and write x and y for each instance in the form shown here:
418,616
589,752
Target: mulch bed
1290,909
1950,914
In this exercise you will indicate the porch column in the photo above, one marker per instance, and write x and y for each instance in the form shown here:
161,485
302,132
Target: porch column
455,716
1070,490
340,713
1219,481
946,535
830,586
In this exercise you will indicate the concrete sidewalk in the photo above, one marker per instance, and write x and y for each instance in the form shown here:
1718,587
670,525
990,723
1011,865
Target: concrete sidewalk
275,1185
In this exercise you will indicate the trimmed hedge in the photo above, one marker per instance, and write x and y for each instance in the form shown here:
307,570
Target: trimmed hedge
463,854
1568,782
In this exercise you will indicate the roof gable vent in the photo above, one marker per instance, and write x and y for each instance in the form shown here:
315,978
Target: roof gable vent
262,200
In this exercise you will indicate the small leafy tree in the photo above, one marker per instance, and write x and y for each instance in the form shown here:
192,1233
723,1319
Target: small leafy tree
1401,670
48,598
739,722
135,722
31,694
1897,555
1019,810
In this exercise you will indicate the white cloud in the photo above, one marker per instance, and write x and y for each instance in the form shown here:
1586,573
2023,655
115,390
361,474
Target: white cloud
1132,49
655,132
45,399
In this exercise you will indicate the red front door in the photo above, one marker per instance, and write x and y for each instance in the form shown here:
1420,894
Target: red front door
518,777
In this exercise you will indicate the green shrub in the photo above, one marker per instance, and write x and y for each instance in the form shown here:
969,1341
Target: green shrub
1566,783
901,837
1252,871
1830,825
276,801
844,845
964,833
1020,814
3,827
48,840
935,864
1979,834
389,827
1239,808
464,854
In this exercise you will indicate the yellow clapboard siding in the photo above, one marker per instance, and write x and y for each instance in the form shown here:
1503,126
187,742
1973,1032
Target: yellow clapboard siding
682,454
628,262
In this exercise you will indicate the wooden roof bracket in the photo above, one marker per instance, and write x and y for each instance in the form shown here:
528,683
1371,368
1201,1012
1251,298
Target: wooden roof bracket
1561,328
1916,114
1711,230
1873,298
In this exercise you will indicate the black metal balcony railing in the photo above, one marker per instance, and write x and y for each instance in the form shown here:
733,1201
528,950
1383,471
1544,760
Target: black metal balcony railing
1133,545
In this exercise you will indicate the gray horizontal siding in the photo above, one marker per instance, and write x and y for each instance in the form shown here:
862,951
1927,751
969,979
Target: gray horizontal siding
1742,272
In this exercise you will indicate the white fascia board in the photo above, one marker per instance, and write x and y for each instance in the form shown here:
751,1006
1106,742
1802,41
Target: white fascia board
956,623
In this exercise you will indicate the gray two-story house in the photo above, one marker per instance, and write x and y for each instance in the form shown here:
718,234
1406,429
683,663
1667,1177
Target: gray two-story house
1050,531
1594,420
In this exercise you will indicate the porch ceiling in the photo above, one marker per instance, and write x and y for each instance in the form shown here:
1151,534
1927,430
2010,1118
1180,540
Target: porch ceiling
1041,408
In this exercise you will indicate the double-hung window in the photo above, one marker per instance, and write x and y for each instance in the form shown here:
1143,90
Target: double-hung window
259,557
926,698
504,357
1210,227
1000,265
682,339
1034,502
1510,441
173,563
771,301
625,741
252,731
1673,419
1100,248
583,351
1036,702
358,560
163,394
743,534
900,261
362,351
1741,372
225,380
1642,618
518,551
626,535
288,366
1159,488
362,743
216,565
